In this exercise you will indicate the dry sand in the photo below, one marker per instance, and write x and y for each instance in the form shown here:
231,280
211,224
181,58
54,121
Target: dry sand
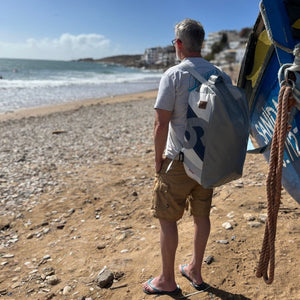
98,216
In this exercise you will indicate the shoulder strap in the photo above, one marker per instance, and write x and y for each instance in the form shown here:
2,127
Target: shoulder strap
209,83
194,73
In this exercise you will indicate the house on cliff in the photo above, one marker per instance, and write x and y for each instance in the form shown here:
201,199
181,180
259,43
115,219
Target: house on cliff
159,56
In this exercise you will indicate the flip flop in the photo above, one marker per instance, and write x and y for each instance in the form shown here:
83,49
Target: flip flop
199,287
160,292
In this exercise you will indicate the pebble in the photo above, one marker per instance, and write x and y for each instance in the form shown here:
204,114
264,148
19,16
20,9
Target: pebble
122,237
222,242
230,215
16,285
263,218
46,230
7,256
44,260
67,289
48,271
227,225
254,224
52,280
30,236
104,278
249,217
209,259
100,247
239,185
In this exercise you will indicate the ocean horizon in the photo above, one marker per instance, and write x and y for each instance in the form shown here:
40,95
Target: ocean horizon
28,83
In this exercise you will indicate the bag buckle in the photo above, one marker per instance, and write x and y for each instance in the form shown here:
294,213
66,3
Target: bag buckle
181,156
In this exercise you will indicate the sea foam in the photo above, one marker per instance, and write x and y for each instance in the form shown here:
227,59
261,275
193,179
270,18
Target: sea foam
31,83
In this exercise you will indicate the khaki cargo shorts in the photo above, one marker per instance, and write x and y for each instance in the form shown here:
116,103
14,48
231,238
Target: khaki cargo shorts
174,191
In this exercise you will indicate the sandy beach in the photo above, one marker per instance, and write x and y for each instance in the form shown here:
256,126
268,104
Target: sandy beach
76,185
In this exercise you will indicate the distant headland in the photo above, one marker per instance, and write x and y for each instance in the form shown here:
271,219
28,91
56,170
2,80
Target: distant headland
135,61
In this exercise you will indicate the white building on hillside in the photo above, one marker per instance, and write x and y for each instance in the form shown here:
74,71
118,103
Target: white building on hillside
160,56
212,38
215,37
152,55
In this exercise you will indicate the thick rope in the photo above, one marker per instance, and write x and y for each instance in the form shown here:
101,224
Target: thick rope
267,256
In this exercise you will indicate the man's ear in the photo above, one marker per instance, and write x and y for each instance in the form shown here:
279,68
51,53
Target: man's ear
179,43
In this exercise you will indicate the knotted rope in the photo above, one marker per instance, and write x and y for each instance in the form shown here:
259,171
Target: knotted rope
267,257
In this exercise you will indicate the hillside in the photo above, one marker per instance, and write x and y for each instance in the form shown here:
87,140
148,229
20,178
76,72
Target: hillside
125,60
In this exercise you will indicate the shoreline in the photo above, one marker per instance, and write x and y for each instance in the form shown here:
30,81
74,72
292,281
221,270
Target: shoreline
69,106
232,71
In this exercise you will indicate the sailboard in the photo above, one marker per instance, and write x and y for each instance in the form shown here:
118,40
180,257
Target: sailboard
271,47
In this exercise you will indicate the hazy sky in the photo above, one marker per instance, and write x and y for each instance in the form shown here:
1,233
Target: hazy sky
71,29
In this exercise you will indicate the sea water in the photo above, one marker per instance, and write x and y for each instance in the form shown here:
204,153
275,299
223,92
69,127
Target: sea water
34,83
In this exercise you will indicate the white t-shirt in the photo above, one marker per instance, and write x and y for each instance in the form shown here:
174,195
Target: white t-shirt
173,94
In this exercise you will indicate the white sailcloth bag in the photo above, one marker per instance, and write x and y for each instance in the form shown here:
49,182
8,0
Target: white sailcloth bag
217,131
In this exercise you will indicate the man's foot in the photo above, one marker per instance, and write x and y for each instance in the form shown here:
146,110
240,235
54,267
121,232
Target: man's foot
202,286
150,289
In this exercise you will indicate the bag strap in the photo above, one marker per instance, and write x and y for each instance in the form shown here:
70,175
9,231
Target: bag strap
209,83
196,74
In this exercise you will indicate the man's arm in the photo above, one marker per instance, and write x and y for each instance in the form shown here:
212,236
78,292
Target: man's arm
161,127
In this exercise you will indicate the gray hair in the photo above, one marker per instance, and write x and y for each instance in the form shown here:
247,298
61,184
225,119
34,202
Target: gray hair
191,34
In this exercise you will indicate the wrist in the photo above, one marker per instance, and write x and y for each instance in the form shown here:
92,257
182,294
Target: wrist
158,164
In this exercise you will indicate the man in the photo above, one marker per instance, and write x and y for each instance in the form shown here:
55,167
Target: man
173,188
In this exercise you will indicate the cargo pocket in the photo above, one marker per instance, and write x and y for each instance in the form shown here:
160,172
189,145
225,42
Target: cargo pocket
160,192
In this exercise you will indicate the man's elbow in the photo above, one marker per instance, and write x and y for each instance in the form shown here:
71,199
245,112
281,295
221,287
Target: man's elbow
162,118
161,124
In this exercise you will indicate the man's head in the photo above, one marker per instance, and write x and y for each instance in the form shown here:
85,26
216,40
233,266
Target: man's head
191,34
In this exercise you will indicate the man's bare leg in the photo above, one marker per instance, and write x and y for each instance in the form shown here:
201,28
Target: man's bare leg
201,234
168,243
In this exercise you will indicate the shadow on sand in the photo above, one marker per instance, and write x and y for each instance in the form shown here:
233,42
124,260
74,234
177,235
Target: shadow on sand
213,293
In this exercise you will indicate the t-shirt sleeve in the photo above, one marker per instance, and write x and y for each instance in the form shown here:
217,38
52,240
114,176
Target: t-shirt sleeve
166,93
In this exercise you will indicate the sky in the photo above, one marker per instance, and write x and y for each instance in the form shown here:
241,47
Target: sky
73,29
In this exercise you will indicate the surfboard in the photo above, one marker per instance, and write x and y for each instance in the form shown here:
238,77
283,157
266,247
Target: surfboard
270,46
